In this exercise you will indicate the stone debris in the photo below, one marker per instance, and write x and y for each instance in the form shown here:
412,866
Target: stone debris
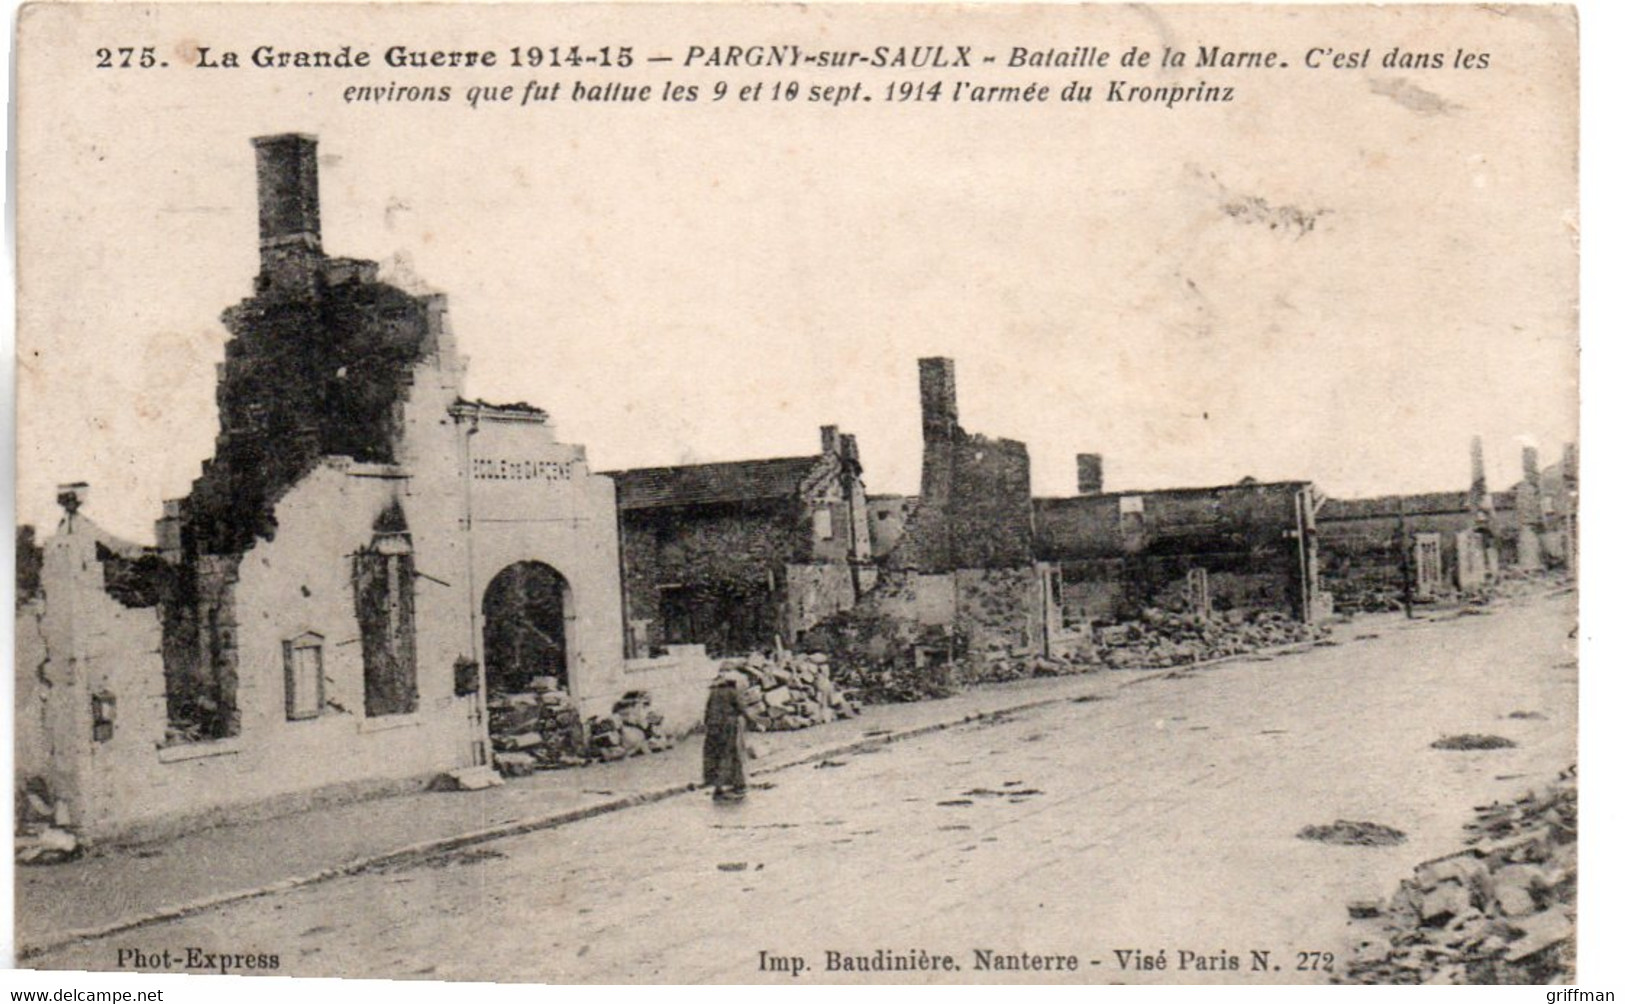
884,661
467,779
1161,639
880,658
1353,834
535,728
42,827
540,729
47,846
1500,911
791,691
632,728
1472,742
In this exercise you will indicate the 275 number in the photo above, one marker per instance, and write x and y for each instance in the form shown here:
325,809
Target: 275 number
127,57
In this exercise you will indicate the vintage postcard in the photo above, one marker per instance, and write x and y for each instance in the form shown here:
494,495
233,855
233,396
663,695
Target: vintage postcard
715,494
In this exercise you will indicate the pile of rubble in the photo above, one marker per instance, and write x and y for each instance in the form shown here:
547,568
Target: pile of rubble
791,691
535,729
1161,639
1517,584
1501,911
632,728
1367,597
1353,834
884,659
1001,668
41,834
540,729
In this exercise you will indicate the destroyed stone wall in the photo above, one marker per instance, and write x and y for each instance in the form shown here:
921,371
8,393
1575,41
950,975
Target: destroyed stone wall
1360,559
1126,551
999,611
991,514
918,636
729,560
130,775
1105,590
99,656
223,671
814,592
1096,592
321,363
974,508
887,516
957,581
742,556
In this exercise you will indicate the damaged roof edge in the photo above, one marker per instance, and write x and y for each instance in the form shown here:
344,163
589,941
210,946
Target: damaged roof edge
702,484
1199,490
517,410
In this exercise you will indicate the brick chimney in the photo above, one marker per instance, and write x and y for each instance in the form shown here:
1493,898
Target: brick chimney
939,401
1479,491
1531,465
829,437
849,447
290,212
1091,474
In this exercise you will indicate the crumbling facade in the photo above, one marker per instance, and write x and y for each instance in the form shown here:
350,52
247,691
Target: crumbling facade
742,557
1449,544
314,618
1248,548
1538,522
1370,546
960,570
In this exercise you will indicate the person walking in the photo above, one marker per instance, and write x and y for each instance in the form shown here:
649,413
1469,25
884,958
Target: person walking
725,724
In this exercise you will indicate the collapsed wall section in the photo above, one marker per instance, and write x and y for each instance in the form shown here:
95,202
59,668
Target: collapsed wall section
320,364
957,584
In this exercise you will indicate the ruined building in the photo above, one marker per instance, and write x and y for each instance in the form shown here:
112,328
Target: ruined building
744,556
364,557
1248,548
957,561
1538,526
1450,543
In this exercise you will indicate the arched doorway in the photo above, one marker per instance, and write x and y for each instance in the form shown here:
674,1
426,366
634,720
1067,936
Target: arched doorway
527,613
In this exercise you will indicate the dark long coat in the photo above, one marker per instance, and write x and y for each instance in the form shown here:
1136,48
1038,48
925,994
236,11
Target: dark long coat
725,736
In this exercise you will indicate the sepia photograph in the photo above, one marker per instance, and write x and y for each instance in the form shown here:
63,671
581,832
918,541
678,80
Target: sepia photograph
773,494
